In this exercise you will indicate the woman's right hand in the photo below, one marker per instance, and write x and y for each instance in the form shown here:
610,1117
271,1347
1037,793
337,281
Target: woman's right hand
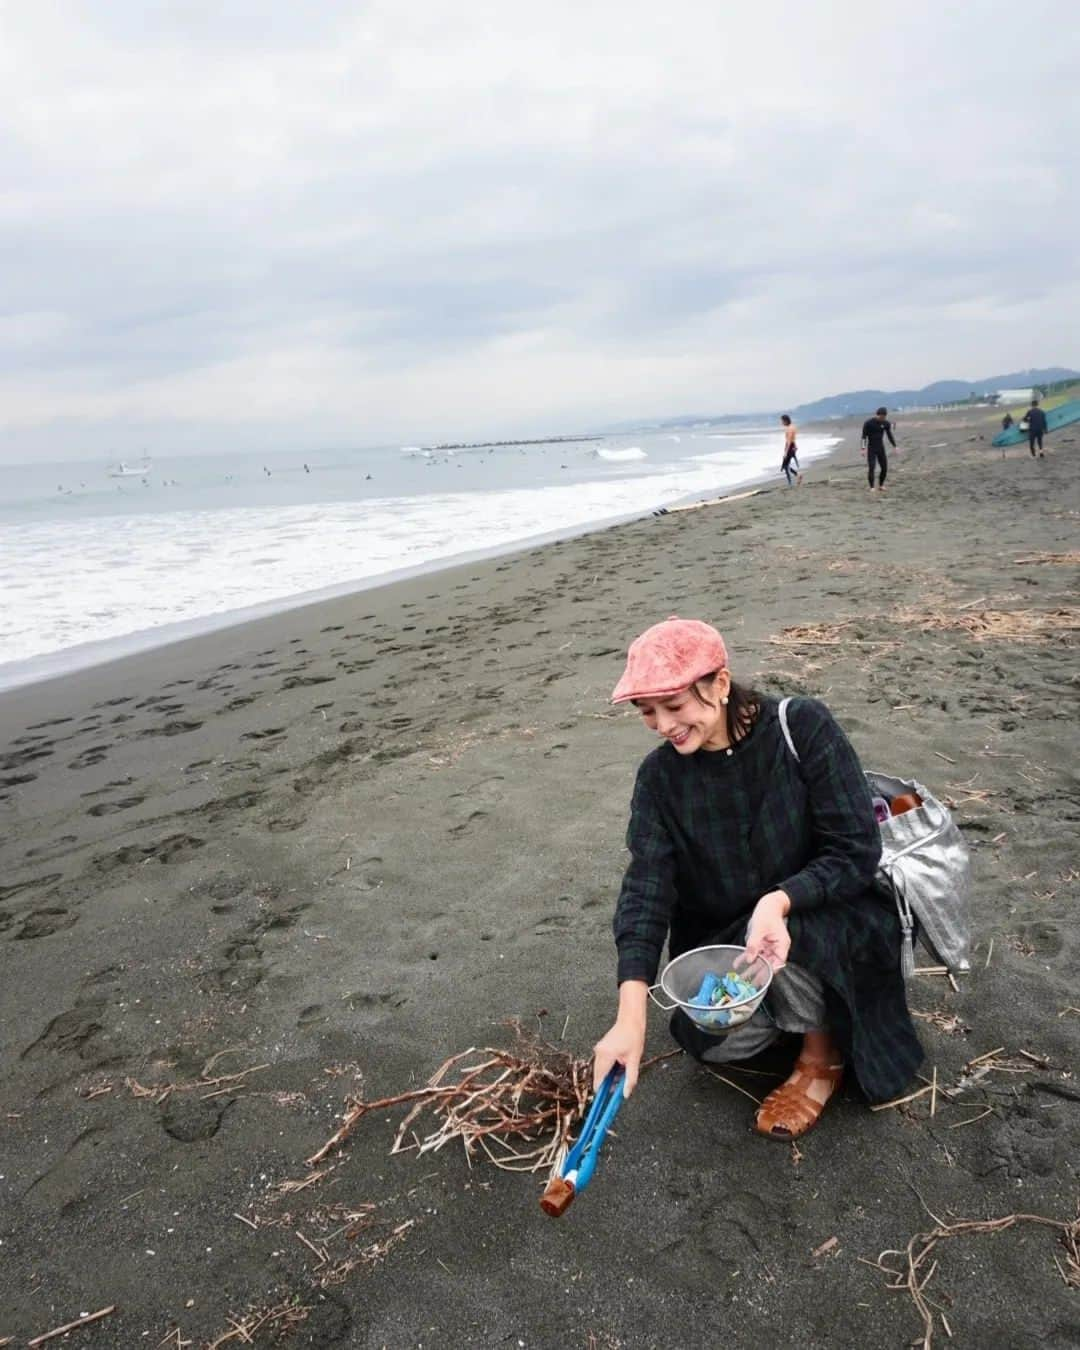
624,1043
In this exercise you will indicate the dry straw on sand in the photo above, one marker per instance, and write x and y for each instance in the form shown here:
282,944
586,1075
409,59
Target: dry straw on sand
1003,625
914,1270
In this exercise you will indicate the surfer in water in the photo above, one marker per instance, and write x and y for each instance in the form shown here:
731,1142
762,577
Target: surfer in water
790,464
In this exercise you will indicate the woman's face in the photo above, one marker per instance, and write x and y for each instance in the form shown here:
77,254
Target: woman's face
687,721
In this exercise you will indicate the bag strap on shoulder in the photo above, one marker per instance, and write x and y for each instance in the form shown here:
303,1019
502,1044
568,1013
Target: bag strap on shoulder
786,729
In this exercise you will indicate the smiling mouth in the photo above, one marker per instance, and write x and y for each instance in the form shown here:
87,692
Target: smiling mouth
681,738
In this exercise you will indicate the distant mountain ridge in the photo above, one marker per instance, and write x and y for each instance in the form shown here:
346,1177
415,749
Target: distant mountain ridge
941,391
863,401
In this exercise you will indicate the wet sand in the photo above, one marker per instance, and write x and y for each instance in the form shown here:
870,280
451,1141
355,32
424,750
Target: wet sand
336,846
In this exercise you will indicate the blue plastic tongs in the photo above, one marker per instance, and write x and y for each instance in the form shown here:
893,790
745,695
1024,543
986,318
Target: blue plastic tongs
580,1163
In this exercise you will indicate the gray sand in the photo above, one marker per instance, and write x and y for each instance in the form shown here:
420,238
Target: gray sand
353,839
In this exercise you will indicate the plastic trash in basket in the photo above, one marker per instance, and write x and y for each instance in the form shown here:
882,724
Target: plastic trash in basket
686,982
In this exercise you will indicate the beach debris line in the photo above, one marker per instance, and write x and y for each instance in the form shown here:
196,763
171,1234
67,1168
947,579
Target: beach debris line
974,1072
911,1270
1062,559
1006,625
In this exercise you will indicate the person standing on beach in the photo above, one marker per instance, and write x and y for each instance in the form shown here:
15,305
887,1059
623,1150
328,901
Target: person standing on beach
1036,425
733,840
874,431
790,464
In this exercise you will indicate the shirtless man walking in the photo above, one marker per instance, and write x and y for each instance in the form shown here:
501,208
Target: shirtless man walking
874,431
790,463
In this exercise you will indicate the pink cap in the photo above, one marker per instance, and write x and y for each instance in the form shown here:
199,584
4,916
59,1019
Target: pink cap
669,657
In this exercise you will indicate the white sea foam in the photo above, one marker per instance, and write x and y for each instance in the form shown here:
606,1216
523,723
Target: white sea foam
622,456
99,579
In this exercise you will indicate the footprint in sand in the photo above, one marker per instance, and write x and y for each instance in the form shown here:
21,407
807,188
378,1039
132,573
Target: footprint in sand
53,848
1043,937
93,754
34,884
366,875
111,808
44,922
364,1001
17,758
552,924
474,805
70,1032
174,848
175,728
302,681
283,824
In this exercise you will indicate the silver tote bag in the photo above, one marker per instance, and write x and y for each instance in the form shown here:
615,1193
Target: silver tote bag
924,866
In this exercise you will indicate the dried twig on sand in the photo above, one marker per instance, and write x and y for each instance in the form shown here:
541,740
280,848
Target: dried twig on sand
947,1022
976,1070
369,1255
910,1273
283,1318
518,1106
83,1321
229,1082
1005,625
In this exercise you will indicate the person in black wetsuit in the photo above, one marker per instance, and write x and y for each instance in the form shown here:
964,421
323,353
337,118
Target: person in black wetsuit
1036,423
874,431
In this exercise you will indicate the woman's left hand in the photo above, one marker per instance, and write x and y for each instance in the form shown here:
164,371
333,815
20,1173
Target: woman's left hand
768,934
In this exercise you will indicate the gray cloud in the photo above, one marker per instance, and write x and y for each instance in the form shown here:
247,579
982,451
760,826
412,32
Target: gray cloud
296,224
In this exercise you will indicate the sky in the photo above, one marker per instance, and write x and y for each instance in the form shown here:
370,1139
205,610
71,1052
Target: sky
262,224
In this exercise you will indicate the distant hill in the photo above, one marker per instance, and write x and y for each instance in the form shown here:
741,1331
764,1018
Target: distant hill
859,401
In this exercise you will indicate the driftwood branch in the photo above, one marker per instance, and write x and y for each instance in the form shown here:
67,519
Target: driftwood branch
72,1326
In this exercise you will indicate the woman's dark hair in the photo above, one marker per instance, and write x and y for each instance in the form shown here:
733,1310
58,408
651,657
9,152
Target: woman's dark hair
882,411
742,709
785,419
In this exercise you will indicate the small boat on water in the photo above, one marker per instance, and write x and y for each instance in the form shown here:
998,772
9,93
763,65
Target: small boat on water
125,470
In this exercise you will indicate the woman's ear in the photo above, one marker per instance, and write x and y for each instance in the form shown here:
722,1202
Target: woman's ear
722,684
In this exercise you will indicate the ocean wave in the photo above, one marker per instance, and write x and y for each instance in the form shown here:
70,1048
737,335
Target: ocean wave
622,456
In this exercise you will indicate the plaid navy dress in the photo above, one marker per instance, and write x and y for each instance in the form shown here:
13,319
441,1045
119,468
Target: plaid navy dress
711,833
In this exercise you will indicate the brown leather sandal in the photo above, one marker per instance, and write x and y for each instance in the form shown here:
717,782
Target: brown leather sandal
789,1110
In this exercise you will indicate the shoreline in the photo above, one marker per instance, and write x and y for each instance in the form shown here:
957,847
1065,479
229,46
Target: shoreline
70,661
256,874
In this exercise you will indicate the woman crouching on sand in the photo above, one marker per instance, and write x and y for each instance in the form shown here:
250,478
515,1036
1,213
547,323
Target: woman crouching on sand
733,840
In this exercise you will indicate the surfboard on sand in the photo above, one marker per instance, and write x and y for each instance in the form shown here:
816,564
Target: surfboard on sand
1061,416
714,501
